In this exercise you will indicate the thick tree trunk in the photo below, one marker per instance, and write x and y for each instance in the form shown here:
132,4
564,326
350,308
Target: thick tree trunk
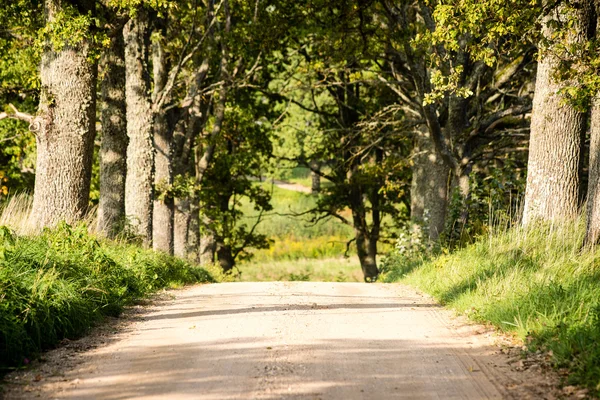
65,129
140,151
555,144
163,213
592,236
429,187
113,150
181,227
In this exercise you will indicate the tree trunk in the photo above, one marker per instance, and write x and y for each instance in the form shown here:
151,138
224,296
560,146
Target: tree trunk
113,150
555,143
592,236
315,183
163,213
181,227
366,243
315,178
429,188
463,183
225,256
208,243
366,248
65,129
140,151
193,238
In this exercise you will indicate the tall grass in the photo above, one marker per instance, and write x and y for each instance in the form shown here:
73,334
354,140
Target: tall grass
15,212
537,283
58,283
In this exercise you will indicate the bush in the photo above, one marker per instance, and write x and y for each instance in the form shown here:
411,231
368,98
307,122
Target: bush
537,283
58,284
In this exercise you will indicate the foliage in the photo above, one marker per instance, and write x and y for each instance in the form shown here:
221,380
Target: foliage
60,283
241,151
537,283
495,198
19,83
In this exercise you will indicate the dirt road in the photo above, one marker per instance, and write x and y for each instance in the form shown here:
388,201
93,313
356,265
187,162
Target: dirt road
291,340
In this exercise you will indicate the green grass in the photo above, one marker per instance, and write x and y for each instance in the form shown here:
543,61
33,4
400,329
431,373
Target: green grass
60,283
535,283
301,176
300,249
315,270
281,222
293,248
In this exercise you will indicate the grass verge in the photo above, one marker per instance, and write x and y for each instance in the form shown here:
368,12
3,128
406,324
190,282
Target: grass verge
60,283
535,283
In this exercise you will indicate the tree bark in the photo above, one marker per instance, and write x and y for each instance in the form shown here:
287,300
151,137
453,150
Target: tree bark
592,236
367,255
163,213
225,256
113,148
555,143
181,226
429,187
65,128
315,178
140,151
366,240
193,235
592,233
208,243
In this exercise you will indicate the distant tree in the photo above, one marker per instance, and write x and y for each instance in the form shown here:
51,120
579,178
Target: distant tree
242,151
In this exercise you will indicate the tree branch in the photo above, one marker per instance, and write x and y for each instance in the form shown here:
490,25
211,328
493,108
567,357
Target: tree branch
161,98
281,97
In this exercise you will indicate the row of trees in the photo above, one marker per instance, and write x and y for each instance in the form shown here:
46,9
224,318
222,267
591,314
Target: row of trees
174,112
414,111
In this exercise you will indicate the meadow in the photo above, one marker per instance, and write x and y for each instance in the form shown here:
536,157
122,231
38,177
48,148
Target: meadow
301,249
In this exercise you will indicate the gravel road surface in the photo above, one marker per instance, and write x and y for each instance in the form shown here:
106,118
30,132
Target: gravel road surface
291,340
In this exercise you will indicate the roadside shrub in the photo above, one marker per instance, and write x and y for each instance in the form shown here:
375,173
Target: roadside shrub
60,283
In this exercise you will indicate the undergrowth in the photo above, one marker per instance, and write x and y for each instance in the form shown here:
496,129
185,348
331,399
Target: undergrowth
61,282
537,283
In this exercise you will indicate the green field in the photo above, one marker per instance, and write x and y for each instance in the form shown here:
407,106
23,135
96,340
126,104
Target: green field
300,248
